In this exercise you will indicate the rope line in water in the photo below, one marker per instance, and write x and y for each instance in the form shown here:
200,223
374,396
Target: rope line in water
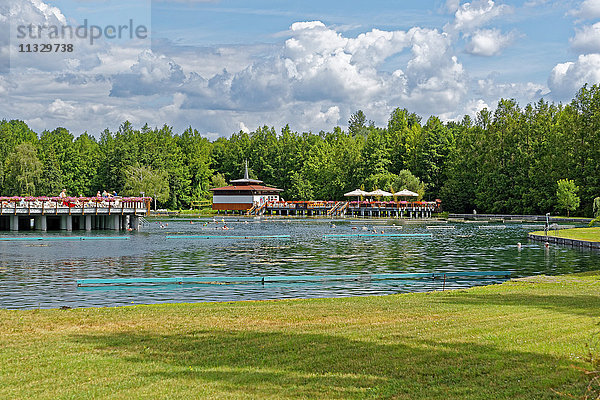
228,237
358,235
267,279
71,238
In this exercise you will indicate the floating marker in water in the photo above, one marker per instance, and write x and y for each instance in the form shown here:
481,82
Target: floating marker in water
359,235
61,238
492,227
440,227
200,237
306,278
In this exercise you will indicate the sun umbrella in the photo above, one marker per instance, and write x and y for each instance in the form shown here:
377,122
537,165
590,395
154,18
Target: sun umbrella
379,192
358,193
406,193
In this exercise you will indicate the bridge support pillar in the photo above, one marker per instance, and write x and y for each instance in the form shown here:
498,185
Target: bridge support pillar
88,223
68,222
14,222
41,223
135,222
115,222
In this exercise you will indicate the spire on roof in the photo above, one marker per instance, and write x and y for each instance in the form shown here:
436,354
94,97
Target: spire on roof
246,180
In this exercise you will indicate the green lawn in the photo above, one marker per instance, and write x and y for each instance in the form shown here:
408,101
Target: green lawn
524,339
588,234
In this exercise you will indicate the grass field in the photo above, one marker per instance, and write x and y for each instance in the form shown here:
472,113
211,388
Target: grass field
588,234
525,339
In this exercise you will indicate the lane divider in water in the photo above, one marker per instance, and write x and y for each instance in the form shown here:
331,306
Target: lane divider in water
61,238
359,235
199,237
268,279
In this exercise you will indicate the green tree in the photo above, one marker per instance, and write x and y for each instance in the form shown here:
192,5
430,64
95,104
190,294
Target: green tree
23,170
406,180
142,179
357,123
51,182
597,207
301,188
566,195
217,180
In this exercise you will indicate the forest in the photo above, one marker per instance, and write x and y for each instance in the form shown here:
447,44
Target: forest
506,160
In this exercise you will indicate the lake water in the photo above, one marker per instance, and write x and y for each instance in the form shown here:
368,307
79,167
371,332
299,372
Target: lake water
43,274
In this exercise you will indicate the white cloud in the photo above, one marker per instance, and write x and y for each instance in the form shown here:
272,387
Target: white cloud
470,16
452,5
474,106
587,39
524,92
318,65
244,128
567,78
489,42
150,75
62,108
535,3
590,9
329,117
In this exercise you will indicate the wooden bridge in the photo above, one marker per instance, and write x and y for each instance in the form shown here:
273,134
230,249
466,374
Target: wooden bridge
72,213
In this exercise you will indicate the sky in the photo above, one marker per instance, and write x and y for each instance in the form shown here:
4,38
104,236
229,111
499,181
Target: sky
222,66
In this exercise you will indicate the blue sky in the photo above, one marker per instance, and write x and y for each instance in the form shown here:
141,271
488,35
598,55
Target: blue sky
230,65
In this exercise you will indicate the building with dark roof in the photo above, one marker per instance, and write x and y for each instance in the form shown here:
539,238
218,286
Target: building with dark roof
243,194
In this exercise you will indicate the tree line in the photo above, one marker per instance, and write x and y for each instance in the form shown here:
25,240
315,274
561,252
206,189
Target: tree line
508,160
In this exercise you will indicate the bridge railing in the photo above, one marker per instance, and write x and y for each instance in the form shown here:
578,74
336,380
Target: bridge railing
330,205
415,205
47,203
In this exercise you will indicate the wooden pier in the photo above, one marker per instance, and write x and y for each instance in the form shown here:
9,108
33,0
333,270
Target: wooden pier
72,213
389,209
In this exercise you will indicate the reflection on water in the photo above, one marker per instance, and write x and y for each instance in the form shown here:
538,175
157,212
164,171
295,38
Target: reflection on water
44,274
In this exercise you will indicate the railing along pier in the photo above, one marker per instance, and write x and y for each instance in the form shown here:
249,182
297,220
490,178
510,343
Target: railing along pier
72,213
393,209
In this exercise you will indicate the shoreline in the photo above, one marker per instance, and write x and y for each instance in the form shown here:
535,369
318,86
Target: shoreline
565,241
577,237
